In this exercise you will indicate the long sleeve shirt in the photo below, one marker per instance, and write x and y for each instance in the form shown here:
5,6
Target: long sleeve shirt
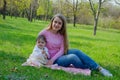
55,44
38,52
38,57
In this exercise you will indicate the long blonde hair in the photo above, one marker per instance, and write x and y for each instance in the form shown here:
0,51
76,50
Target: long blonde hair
62,31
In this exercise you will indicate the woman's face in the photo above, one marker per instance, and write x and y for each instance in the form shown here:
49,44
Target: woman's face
57,24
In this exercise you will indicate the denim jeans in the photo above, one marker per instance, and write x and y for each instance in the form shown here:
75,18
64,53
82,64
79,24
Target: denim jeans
78,59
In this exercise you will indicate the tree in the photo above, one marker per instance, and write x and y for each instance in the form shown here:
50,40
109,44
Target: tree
74,5
18,8
75,8
32,10
96,13
85,14
1,6
44,9
3,10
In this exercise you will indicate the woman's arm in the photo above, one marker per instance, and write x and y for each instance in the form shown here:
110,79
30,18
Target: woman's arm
59,53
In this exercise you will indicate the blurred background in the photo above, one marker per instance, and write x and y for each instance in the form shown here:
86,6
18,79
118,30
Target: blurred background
76,11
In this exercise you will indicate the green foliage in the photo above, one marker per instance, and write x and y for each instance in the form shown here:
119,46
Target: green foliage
1,3
109,22
17,39
44,7
85,14
40,11
115,23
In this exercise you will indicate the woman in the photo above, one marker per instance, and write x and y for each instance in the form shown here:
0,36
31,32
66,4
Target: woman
57,44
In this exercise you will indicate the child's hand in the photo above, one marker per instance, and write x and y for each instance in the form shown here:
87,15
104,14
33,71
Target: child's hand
43,52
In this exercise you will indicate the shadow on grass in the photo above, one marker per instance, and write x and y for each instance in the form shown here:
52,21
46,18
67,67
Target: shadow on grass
78,44
30,73
8,27
11,57
84,41
18,28
89,38
17,39
11,69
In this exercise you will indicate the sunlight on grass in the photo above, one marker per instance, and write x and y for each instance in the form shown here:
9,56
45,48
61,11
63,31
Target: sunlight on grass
17,39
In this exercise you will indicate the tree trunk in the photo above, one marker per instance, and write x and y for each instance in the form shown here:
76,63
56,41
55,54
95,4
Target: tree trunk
95,25
30,13
95,14
46,16
4,9
74,20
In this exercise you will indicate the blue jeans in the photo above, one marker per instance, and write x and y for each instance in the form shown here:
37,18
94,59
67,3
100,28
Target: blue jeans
78,59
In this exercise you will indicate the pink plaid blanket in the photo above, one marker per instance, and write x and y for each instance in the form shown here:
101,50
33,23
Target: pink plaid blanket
73,70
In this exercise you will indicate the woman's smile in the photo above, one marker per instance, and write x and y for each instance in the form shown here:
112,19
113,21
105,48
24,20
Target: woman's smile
57,24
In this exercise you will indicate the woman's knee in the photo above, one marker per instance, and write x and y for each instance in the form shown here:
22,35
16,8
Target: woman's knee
71,56
62,61
67,58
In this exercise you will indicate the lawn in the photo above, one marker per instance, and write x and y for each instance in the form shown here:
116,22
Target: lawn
17,39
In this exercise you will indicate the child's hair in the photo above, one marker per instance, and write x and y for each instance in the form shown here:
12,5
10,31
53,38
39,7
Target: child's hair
41,37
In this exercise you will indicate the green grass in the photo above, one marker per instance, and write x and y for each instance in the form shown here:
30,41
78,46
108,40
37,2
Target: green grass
17,39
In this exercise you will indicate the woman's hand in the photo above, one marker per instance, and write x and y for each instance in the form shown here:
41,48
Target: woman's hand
50,62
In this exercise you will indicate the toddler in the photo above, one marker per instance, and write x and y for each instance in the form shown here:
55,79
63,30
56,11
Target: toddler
39,56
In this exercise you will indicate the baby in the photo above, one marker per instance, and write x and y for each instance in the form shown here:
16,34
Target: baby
40,55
